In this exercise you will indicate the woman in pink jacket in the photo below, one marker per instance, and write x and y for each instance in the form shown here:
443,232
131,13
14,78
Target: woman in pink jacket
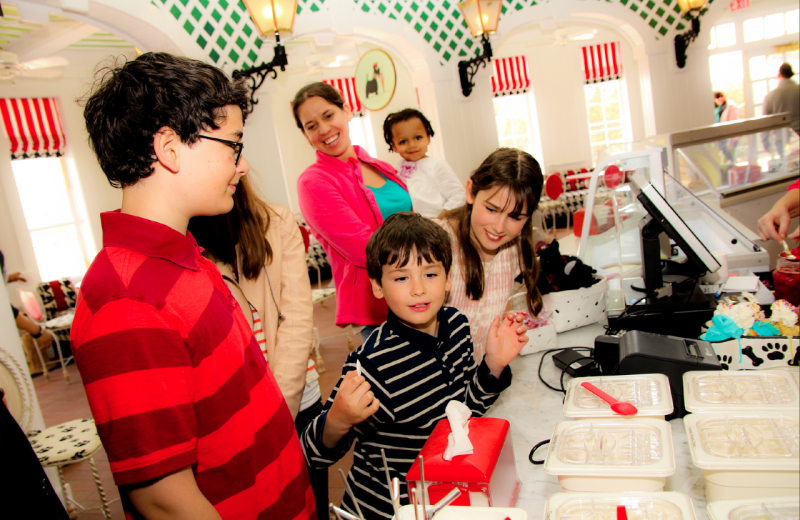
344,197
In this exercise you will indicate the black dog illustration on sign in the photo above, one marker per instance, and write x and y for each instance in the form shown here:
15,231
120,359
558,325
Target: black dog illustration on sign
372,84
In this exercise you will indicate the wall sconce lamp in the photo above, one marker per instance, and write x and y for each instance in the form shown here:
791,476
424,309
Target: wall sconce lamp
270,17
482,17
692,10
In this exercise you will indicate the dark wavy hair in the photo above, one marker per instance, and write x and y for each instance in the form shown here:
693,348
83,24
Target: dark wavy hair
402,233
318,89
521,174
399,117
129,103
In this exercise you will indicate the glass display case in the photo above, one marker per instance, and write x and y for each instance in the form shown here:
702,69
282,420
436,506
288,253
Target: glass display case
727,159
608,236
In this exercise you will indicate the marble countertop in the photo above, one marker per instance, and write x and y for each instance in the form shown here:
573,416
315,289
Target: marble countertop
534,410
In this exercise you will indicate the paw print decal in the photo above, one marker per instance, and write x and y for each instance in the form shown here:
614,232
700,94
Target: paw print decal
775,351
725,362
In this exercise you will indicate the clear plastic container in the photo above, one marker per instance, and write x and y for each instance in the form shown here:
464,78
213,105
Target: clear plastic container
779,508
710,392
746,454
467,513
603,506
794,370
649,393
611,455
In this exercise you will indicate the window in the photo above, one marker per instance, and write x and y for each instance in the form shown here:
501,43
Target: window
764,72
513,116
361,134
513,125
727,75
726,35
55,217
606,121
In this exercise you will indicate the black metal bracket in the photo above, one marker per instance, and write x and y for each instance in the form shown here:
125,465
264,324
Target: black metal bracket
468,68
682,41
257,75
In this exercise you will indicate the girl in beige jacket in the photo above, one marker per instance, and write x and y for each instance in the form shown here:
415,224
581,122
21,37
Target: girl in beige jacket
260,252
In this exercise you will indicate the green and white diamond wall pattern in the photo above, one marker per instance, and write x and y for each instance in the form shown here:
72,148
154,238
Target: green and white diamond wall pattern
225,33
221,28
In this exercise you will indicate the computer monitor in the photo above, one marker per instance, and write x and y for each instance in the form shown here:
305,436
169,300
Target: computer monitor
662,218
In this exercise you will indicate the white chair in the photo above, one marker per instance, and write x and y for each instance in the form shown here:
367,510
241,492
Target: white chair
57,446
58,326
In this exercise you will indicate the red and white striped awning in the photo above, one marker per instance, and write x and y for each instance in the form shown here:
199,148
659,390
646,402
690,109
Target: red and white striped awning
33,126
347,88
602,62
510,76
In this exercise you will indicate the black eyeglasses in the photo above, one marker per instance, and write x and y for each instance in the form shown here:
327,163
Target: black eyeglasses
237,147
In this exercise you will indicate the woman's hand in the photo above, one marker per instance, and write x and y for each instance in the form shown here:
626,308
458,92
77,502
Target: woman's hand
16,277
353,404
775,223
506,339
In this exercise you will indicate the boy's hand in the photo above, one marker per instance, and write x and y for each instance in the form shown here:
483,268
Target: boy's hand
353,404
506,339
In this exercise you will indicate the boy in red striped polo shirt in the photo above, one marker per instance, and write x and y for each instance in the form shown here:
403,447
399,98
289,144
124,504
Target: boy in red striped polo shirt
192,420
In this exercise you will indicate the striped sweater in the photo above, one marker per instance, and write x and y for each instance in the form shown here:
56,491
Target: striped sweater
414,375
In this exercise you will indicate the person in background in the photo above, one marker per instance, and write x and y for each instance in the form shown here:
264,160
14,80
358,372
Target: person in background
785,97
726,110
43,337
192,420
25,490
344,196
416,362
259,251
492,240
775,223
432,184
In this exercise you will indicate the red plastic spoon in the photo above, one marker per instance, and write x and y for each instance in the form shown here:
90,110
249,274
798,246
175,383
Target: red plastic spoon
620,407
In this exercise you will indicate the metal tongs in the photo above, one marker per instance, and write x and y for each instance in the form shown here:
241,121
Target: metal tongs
441,504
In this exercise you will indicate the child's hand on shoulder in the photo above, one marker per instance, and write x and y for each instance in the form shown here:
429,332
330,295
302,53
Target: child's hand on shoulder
506,339
353,404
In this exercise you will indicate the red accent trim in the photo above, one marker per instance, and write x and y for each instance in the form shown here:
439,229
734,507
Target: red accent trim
58,294
602,62
33,126
510,74
347,88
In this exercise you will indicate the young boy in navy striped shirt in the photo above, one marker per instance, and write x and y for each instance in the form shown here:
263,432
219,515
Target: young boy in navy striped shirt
416,362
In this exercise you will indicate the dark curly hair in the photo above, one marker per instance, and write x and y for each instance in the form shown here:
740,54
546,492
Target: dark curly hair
399,117
129,103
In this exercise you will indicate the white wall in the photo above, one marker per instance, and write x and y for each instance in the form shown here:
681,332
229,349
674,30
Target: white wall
99,196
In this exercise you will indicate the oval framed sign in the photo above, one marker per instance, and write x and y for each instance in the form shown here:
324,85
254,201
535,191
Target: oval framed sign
375,79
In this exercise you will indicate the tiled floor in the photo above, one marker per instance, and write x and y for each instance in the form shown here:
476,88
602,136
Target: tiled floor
61,403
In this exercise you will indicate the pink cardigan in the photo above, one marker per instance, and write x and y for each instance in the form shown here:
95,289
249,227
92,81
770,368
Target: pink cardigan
342,213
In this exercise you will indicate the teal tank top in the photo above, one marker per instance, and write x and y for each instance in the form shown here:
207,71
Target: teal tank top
391,198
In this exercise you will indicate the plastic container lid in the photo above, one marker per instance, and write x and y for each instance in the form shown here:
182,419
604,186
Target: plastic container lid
710,392
744,440
794,370
778,508
467,513
603,506
611,448
650,393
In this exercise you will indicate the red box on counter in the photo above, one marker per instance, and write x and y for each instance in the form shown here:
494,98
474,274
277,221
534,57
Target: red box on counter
741,174
487,478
